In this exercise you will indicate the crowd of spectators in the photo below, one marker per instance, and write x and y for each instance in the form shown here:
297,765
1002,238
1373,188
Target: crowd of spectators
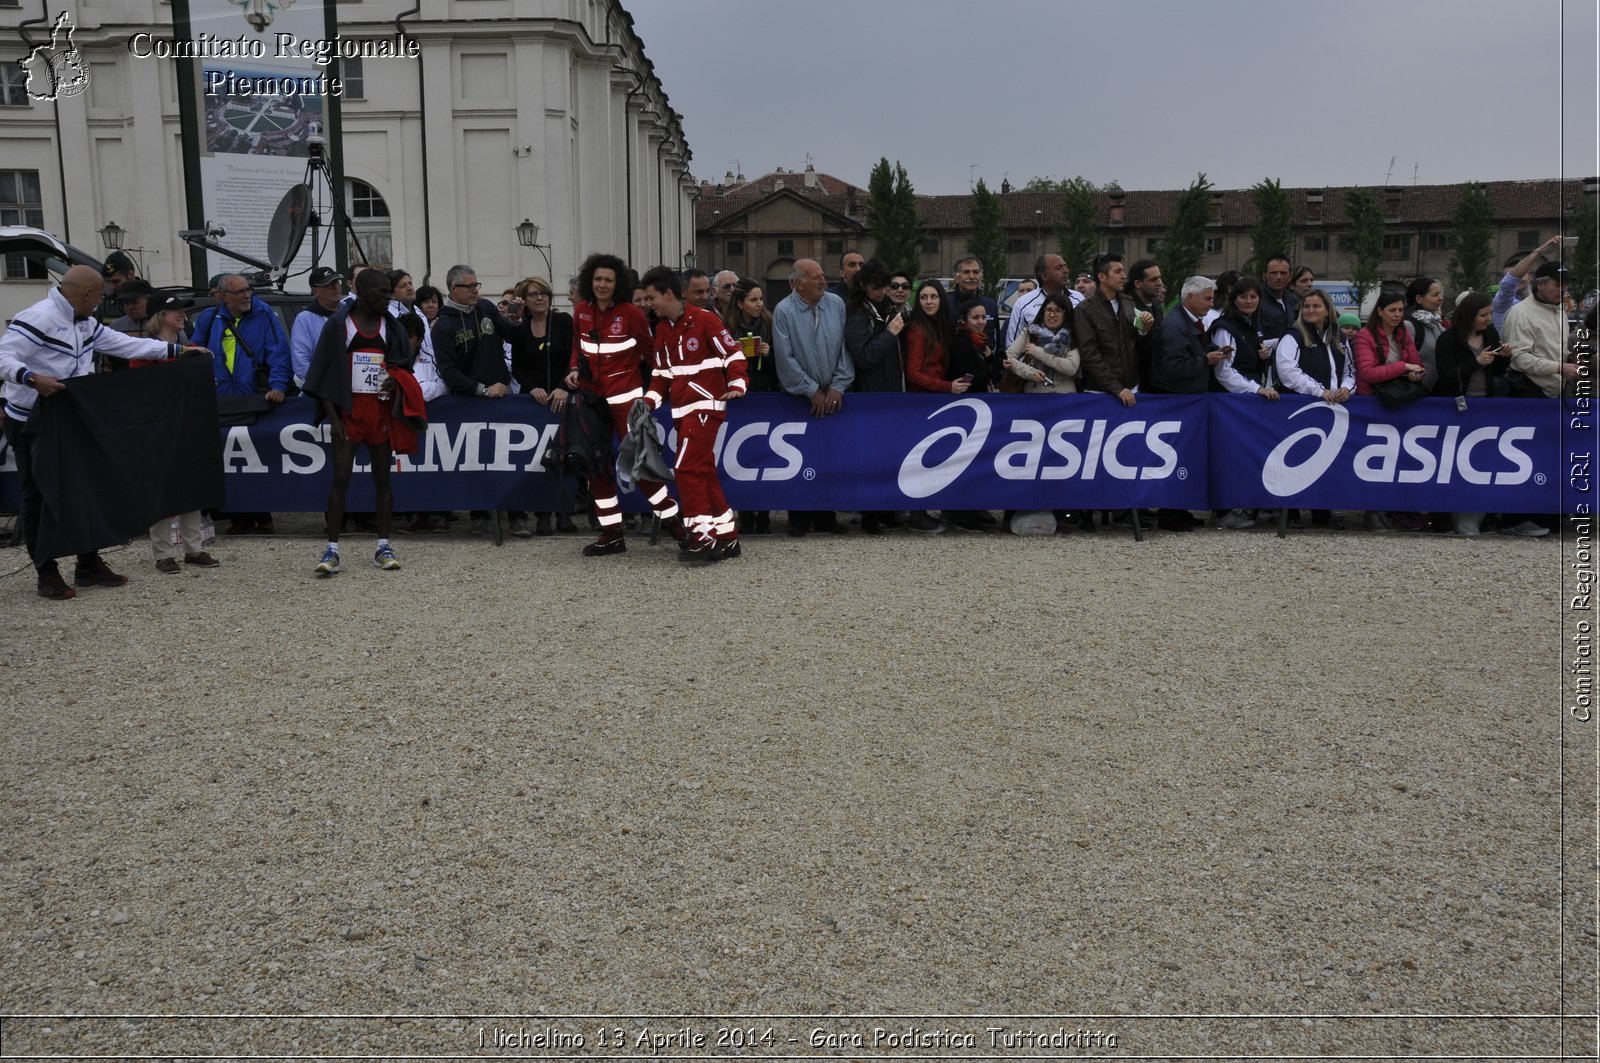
1109,327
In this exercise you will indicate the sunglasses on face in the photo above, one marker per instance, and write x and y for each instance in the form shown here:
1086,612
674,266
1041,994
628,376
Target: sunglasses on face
896,286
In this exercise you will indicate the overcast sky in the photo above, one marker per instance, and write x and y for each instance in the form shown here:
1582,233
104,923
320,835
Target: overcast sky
1147,93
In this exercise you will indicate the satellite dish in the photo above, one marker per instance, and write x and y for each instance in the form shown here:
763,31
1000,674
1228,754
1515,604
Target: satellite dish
288,228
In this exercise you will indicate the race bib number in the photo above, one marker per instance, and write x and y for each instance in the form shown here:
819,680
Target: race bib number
367,373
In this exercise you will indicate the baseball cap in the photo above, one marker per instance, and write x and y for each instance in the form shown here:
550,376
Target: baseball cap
168,301
133,289
117,262
323,275
1550,270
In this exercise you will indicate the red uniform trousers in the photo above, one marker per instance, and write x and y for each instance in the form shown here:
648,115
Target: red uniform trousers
603,485
705,510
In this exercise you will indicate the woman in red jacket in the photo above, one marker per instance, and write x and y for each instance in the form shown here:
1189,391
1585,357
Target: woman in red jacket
929,338
1383,350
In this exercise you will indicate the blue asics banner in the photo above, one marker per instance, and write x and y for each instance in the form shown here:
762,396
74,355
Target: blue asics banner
1495,455
965,452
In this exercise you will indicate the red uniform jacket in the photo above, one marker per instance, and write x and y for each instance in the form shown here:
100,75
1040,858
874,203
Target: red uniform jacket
697,362
616,343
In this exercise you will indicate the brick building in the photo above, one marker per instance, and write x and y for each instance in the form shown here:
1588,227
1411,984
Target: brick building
759,227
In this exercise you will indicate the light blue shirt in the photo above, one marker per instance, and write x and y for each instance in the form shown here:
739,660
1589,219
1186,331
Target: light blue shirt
808,345
303,336
1505,297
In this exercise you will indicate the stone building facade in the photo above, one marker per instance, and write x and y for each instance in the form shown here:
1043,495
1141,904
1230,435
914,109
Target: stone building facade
541,109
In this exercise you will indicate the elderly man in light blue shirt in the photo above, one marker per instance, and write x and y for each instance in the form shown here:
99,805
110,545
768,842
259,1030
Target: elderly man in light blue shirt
808,350
808,341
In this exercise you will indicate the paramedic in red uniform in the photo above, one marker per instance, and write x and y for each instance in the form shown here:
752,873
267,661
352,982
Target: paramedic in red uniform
700,367
611,351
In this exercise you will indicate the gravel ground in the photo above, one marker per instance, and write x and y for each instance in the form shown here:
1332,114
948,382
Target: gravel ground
965,775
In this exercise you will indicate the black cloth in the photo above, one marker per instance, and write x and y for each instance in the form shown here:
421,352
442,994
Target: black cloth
114,454
543,362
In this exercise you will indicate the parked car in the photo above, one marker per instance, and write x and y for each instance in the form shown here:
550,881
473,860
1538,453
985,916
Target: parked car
44,256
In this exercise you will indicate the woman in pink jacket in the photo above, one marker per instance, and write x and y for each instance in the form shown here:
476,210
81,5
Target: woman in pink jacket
1383,350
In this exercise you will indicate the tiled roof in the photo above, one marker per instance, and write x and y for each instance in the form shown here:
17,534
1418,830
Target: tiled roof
1418,204
717,203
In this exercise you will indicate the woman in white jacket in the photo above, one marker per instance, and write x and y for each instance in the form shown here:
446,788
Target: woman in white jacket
1043,356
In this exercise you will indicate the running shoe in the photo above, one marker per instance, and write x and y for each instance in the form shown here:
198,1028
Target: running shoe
329,564
385,559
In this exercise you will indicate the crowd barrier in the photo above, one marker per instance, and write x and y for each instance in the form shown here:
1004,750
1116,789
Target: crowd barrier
885,452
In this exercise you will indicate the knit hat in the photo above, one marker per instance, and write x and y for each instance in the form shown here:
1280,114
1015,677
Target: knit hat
1348,319
216,281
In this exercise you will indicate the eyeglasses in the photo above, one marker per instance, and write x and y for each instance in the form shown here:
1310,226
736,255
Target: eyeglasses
537,294
470,287
235,291
896,286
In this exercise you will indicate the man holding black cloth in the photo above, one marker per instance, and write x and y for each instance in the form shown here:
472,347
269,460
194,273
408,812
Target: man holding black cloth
51,341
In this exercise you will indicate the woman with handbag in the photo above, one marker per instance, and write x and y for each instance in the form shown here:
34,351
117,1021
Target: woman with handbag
1043,356
1045,361
1388,366
1385,355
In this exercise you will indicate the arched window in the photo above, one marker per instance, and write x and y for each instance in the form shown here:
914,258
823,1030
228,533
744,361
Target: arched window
369,219
365,201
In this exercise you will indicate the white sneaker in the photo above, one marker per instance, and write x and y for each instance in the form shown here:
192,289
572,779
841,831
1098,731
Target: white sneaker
1527,529
1233,520
1033,522
1468,524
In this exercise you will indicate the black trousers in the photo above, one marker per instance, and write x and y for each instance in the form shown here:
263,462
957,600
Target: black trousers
32,500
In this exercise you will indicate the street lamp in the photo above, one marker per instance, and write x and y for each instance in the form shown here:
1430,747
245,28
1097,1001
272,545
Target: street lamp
112,235
688,260
528,236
